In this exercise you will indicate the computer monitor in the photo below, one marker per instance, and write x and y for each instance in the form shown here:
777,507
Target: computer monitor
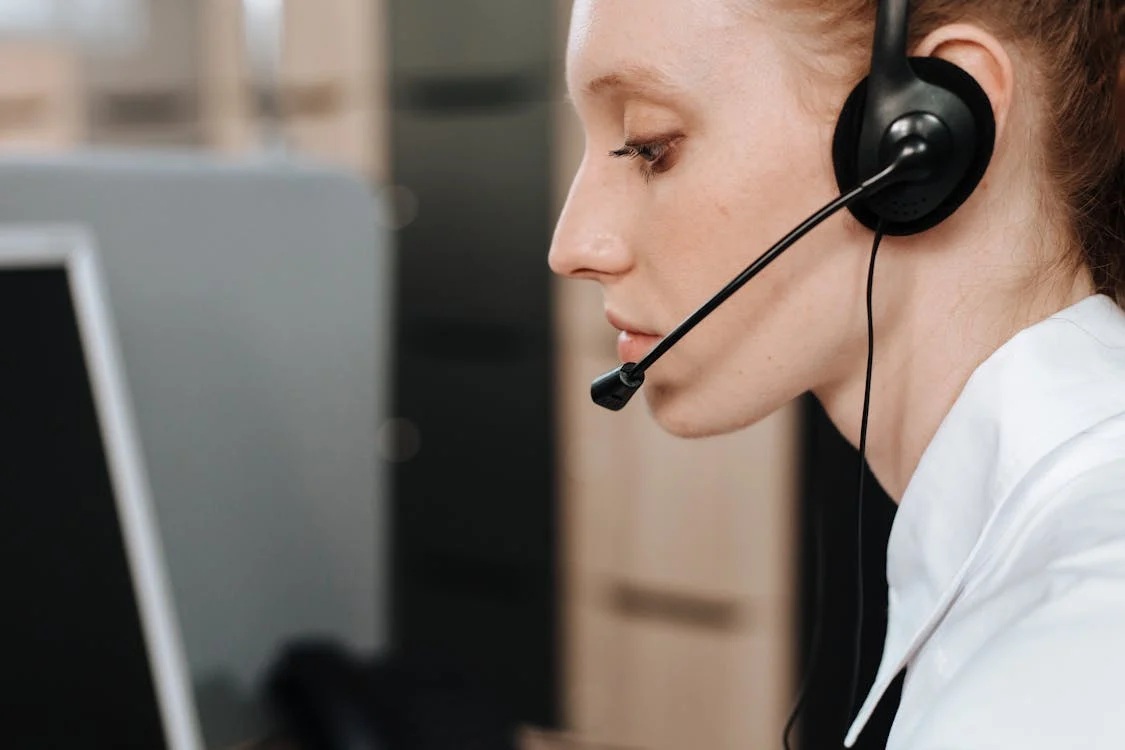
91,647
253,301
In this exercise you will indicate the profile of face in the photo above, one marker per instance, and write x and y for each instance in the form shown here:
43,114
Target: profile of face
702,149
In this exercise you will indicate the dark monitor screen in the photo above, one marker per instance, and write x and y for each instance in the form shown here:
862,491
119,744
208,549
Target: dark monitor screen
74,671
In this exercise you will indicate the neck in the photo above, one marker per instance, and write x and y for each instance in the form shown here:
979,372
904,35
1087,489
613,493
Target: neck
930,337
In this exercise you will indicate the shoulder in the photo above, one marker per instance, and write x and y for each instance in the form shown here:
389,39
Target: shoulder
1051,679
1038,642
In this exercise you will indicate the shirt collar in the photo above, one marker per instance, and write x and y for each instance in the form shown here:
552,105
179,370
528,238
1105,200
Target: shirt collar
1046,385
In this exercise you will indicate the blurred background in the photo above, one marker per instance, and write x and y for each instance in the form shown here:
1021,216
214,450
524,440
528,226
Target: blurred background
607,585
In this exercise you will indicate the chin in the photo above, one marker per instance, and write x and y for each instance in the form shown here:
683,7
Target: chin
686,414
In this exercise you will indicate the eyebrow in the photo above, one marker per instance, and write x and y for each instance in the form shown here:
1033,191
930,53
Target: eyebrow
631,79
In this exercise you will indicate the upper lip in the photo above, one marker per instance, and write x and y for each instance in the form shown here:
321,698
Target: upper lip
621,324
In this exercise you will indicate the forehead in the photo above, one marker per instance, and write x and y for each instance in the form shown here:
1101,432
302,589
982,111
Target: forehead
650,42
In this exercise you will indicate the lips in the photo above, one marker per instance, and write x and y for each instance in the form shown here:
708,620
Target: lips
634,342
625,326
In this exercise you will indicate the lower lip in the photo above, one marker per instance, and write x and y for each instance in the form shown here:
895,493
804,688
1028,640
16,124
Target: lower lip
632,347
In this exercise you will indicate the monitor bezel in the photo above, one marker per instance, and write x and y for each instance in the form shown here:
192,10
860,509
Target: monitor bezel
73,250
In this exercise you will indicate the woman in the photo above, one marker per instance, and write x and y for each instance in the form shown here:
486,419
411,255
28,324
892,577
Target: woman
998,400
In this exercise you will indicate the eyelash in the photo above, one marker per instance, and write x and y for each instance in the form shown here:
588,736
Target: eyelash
654,155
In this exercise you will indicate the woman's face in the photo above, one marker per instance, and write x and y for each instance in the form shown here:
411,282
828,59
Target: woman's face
717,157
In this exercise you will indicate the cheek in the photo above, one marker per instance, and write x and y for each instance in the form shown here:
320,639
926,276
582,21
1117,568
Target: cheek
717,227
695,250
719,218
749,178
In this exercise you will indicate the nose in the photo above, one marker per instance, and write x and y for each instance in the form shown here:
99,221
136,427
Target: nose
590,238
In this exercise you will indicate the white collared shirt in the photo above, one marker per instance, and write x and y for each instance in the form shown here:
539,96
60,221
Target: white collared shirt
1006,560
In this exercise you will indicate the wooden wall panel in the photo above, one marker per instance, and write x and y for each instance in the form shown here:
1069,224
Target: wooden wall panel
147,93
41,103
334,83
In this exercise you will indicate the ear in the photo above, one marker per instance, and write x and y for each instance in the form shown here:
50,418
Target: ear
983,57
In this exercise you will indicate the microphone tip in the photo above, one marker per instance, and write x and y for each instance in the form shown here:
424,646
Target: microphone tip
614,389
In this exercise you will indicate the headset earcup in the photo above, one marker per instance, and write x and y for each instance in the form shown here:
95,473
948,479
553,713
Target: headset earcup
845,150
953,79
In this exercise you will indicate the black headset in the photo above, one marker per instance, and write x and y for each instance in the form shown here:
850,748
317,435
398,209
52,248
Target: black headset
904,97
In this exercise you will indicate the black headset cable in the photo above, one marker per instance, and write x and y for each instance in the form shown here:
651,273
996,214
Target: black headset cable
863,470
818,531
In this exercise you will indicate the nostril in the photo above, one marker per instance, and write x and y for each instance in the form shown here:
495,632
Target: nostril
566,260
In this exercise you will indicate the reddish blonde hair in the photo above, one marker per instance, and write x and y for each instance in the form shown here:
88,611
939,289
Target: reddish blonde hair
1076,47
